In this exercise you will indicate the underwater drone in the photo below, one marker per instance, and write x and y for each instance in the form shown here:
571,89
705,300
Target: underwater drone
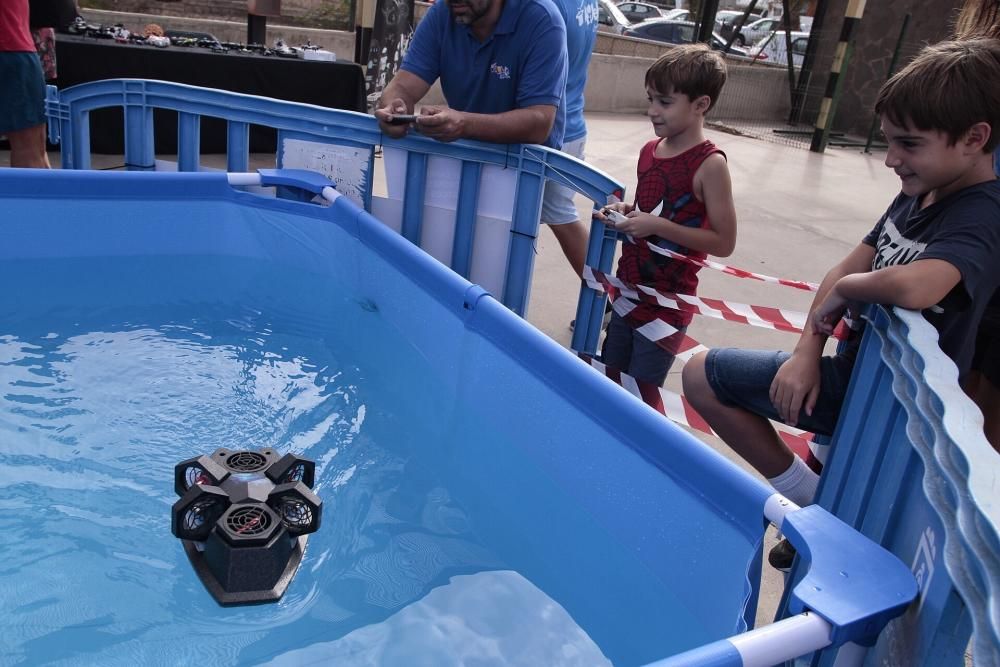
244,517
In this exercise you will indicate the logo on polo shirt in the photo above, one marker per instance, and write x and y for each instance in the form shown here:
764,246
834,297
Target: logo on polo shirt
501,71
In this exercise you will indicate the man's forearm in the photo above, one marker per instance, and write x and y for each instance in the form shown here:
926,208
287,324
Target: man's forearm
530,125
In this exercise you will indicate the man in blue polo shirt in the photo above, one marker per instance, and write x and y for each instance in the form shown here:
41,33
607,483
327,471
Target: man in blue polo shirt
502,65
503,71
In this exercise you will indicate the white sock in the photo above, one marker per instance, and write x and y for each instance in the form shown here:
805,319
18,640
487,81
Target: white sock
798,483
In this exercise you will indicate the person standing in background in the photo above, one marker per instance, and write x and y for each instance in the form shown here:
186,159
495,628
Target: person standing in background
558,210
22,88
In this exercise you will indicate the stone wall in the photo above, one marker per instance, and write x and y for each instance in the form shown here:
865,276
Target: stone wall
875,40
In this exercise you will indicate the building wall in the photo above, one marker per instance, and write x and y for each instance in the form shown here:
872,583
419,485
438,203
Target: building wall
875,40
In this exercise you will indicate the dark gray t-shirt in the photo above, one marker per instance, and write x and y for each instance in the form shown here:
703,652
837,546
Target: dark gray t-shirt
962,229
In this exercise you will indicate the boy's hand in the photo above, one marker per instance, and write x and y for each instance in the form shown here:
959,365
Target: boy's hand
828,313
640,225
618,207
796,387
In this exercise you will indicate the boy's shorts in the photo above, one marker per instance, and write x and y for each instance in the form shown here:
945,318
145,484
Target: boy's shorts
629,351
22,91
742,378
557,201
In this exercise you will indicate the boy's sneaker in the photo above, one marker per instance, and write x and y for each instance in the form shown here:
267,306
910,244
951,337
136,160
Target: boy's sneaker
780,556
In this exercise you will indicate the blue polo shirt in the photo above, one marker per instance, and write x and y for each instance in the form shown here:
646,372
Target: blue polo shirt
523,63
581,31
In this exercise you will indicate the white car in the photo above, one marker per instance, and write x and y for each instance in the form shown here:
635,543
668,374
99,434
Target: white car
758,30
678,15
610,18
772,49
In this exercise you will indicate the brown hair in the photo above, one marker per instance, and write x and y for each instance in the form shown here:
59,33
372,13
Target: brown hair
978,18
691,69
948,87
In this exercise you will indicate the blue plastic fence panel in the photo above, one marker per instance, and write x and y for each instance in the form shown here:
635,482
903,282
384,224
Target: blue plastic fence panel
68,111
911,469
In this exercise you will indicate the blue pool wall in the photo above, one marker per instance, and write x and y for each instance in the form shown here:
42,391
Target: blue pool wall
646,482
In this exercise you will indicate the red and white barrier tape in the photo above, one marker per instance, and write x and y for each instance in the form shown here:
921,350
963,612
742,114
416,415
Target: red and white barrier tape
725,268
676,408
766,317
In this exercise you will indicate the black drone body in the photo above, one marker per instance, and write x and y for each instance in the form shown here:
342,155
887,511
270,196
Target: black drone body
244,518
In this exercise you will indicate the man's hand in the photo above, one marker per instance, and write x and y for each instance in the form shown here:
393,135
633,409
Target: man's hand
796,387
441,123
641,225
385,112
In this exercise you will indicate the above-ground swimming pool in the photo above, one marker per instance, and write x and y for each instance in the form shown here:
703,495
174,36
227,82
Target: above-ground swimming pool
488,499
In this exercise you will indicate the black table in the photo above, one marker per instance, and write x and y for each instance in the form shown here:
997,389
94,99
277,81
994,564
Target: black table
338,85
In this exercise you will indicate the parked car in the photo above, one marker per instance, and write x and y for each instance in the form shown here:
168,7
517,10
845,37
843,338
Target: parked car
678,15
758,30
725,25
610,18
676,32
772,50
639,11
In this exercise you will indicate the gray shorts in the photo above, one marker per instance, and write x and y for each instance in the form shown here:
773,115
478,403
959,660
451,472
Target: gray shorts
557,201
742,378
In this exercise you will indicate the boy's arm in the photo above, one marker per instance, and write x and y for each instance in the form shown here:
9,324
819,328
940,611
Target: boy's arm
920,284
716,190
796,384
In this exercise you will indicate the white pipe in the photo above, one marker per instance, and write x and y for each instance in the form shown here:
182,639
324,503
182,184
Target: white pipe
247,178
784,640
330,194
776,507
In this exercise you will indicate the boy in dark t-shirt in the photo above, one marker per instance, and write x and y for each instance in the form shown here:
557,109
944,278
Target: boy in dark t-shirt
683,203
934,250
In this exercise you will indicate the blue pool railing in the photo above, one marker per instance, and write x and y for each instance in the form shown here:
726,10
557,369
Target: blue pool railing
356,136
911,469
603,450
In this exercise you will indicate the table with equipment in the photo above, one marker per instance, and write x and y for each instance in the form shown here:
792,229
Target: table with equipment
338,85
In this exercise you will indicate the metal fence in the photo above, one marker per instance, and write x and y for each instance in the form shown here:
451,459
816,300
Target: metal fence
800,88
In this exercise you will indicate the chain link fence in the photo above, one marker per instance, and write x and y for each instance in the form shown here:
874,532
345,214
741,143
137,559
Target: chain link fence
796,90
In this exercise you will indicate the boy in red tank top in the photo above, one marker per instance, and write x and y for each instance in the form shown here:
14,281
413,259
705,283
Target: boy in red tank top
684,202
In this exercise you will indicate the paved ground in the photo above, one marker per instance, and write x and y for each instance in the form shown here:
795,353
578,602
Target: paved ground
798,213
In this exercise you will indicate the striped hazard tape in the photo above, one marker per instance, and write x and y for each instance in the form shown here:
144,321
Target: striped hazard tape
676,408
766,317
725,268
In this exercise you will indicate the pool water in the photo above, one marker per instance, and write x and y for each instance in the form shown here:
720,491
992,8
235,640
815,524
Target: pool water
442,542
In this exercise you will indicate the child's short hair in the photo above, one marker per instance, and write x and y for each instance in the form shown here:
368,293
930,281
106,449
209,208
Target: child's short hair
691,69
948,87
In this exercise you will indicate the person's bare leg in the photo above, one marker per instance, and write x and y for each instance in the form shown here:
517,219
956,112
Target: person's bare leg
749,435
573,237
27,148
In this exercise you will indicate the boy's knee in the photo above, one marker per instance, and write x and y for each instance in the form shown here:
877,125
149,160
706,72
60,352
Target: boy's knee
694,380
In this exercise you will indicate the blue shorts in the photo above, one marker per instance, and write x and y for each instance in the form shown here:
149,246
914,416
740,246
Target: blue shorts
557,202
630,352
742,379
22,91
